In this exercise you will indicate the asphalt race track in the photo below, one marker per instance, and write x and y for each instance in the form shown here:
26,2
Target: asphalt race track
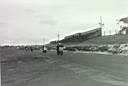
71,69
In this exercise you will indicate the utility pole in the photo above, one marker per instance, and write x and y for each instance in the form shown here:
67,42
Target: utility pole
115,31
101,24
104,33
110,32
118,26
43,41
58,37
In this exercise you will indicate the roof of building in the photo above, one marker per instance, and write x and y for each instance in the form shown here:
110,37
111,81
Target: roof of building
83,33
91,31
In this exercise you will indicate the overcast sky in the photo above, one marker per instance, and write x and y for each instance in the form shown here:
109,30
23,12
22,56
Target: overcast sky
29,21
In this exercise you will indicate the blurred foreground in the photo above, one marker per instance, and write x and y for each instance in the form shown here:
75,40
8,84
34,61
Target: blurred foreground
20,68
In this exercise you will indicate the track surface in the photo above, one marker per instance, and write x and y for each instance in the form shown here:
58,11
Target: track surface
71,69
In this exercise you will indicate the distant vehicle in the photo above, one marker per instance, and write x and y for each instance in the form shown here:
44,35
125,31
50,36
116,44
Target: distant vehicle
114,49
123,48
93,49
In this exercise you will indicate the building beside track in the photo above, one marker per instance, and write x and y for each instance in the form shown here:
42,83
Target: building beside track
83,36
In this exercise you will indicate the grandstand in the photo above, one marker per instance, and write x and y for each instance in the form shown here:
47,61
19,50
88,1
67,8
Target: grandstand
83,36
110,39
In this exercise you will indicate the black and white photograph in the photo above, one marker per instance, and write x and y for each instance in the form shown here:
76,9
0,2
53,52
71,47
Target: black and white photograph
63,42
